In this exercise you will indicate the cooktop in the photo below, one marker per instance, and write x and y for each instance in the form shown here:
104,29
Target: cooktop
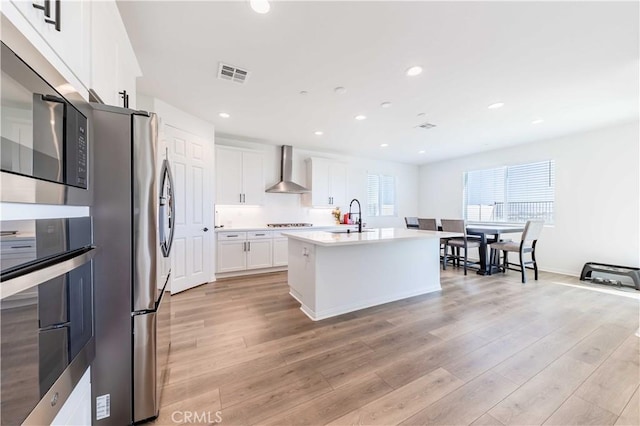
288,225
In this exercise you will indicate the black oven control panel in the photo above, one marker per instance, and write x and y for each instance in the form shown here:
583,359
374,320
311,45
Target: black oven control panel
76,148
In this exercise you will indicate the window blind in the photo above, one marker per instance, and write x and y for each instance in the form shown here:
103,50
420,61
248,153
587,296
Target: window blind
511,194
381,195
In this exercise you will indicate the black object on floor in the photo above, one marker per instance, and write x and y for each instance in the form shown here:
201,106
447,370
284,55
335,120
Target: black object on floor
590,267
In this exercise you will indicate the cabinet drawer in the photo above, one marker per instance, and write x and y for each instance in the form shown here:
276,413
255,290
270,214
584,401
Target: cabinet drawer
258,235
226,236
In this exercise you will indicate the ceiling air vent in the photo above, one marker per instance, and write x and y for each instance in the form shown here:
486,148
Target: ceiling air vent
426,126
229,72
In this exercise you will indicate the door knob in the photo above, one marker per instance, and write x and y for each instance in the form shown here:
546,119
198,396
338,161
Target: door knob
205,229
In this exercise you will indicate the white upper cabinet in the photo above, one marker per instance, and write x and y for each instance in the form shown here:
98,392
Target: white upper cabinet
64,38
114,67
239,177
86,41
328,183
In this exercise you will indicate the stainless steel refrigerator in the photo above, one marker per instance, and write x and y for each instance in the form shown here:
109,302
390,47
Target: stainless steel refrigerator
133,226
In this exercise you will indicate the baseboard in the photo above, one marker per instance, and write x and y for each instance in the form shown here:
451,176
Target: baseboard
250,272
561,272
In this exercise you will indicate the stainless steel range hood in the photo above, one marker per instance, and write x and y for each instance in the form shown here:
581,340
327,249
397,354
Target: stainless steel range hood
286,184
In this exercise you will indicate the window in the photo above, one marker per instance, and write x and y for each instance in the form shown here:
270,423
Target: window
512,194
381,195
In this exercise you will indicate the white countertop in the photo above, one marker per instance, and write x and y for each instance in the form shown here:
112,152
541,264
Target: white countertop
375,235
283,229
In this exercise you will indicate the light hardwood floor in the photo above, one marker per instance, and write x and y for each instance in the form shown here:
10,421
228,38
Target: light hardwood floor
483,351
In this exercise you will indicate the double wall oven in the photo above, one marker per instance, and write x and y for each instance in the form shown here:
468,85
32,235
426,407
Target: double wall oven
47,250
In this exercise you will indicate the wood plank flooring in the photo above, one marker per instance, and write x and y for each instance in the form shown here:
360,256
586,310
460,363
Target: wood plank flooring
483,351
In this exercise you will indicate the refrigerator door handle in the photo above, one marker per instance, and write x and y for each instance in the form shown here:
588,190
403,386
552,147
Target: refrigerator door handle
167,199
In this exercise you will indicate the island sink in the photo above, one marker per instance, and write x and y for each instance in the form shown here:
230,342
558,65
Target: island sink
349,231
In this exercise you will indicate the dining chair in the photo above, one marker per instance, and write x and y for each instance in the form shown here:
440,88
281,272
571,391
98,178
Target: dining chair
412,222
432,225
427,224
457,243
527,244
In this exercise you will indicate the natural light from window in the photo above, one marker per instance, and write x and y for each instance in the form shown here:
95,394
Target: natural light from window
511,194
381,195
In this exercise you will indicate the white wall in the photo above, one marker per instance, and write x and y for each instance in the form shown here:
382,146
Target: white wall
597,195
290,208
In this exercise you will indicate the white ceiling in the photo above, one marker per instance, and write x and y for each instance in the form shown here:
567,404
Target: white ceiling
572,64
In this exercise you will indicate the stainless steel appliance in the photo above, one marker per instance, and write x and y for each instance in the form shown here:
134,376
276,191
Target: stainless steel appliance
286,184
43,141
46,315
133,213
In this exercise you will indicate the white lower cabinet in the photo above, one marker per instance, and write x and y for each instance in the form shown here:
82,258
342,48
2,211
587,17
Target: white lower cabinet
240,251
259,254
231,256
252,250
280,251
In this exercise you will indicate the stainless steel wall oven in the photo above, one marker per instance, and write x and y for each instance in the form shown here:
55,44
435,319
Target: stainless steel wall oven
44,154
46,315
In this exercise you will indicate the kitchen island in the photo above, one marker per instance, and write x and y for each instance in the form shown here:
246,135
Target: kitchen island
332,273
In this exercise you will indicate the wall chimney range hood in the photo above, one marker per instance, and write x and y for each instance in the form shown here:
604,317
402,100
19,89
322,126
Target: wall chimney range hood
286,184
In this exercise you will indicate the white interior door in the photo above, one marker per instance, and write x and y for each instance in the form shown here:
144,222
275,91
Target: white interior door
190,158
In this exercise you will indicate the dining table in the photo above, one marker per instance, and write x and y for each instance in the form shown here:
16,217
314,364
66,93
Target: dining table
487,234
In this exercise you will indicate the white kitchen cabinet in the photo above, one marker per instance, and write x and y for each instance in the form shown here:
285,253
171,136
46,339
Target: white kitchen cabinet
239,177
328,183
240,251
68,49
114,67
259,254
232,256
280,251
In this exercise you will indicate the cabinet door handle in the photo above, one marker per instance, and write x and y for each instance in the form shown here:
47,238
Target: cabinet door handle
46,7
232,236
125,98
56,21
249,246
244,246
244,198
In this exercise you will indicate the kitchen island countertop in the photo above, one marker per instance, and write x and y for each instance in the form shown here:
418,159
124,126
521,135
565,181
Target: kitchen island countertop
373,235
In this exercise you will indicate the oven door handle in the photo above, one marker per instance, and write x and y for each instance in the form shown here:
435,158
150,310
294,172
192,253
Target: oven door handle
23,282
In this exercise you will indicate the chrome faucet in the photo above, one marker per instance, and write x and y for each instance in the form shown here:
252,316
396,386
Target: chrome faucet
359,213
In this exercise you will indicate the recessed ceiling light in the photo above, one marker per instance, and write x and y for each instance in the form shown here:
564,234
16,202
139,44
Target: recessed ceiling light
224,115
496,105
318,133
385,104
384,145
260,6
304,92
360,117
538,121
340,90
421,151
413,71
